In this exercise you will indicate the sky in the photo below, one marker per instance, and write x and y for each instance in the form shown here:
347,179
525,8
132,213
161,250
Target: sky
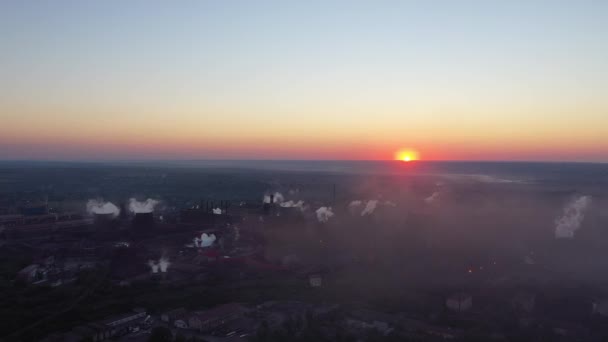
354,80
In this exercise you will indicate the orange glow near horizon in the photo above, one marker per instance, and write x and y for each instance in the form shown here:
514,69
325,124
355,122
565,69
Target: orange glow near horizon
407,155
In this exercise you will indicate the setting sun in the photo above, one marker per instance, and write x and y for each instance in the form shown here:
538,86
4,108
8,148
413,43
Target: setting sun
406,155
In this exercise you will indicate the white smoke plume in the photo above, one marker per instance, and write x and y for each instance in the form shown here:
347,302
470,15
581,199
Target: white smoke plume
324,214
205,240
433,198
292,204
217,211
277,197
138,207
390,204
570,221
370,206
355,204
164,264
100,207
154,267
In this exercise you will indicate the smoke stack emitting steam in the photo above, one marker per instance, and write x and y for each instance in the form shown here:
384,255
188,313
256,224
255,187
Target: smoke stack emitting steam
95,206
324,214
433,198
277,197
205,240
154,267
369,207
137,207
355,204
292,204
164,264
570,221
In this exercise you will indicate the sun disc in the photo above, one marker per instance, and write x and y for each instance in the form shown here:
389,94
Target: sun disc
406,155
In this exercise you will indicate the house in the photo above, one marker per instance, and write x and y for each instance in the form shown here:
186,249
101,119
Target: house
213,318
114,326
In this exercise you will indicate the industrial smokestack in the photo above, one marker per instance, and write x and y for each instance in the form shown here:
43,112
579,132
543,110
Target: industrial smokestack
277,197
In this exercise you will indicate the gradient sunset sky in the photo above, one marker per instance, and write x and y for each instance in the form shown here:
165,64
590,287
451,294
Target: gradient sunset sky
453,80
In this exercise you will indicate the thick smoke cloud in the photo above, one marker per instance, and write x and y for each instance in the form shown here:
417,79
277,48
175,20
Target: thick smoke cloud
100,207
138,207
570,221
324,214
205,240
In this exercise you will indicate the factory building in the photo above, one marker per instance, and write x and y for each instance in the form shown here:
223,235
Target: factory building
210,319
107,329
40,226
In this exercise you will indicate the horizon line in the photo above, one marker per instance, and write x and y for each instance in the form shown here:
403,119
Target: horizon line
97,161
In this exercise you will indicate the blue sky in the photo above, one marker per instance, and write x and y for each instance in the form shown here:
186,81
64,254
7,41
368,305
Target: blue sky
446,73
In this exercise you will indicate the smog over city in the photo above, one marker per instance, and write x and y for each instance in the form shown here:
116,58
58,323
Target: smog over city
315,171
